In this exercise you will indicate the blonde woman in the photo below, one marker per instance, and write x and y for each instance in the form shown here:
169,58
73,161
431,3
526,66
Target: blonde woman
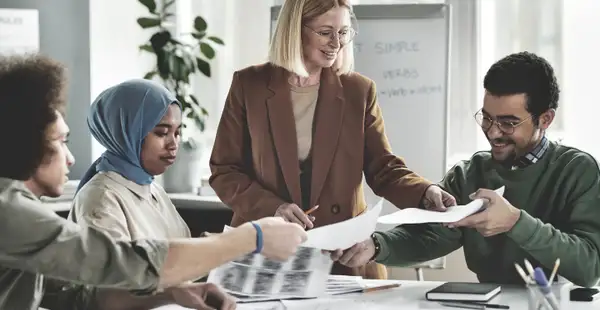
299,131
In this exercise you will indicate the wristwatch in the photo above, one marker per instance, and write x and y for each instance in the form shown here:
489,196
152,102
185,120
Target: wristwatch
377,247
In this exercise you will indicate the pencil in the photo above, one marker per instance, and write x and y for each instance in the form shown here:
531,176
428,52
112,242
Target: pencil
529,267
379,288
311,210
554,270
521,272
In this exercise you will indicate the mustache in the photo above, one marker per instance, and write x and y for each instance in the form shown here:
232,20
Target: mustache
501,141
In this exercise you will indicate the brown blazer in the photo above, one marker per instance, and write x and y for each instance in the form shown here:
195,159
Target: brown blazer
255,165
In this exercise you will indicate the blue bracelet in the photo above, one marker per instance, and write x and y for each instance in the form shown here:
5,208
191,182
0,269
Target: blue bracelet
259,238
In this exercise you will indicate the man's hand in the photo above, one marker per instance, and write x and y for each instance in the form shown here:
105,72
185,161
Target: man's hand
498,217
202,296
358,255
436,199
294,214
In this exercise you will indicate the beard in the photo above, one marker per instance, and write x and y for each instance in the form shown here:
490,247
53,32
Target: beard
504,150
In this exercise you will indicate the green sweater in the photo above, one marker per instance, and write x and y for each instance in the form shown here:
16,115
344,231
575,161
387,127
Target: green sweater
560,201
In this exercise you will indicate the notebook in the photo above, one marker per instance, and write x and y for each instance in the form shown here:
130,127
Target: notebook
453,291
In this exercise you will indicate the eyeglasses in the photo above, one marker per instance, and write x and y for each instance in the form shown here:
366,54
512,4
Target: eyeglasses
507,127
344,36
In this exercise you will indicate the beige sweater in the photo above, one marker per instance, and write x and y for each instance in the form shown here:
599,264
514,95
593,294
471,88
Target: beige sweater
304,102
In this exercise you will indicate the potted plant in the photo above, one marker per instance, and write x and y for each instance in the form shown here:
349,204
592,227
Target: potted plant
178,60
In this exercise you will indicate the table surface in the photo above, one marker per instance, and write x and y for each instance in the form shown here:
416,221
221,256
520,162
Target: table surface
410,295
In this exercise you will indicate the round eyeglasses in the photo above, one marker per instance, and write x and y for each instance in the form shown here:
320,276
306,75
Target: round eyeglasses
506,126
344,36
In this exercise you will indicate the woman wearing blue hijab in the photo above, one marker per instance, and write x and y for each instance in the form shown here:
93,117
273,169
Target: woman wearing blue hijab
139,124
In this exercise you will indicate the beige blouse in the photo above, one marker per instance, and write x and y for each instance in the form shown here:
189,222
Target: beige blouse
304,101
127,210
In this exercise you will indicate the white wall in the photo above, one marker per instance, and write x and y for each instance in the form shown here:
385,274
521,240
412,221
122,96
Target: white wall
114,40
244,26
581,47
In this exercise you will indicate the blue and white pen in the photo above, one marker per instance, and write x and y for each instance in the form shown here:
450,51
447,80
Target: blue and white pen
542,281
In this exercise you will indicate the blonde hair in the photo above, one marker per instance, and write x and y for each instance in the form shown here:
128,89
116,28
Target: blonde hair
286,45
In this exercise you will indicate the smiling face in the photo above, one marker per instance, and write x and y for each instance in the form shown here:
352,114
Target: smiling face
321,38
50,178
520,134
159,148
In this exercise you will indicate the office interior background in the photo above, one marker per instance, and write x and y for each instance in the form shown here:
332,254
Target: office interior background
98,40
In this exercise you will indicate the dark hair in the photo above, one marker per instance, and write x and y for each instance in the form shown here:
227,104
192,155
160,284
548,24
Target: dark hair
525,73
31,92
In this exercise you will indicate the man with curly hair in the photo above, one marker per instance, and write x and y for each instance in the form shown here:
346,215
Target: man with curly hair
551,204
36,243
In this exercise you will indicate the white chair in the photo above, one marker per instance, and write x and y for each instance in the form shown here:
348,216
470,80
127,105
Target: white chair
438,263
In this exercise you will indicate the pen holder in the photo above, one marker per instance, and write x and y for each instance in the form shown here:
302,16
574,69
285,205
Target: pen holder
558,298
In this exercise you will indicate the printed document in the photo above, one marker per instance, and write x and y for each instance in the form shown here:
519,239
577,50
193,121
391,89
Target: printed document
253,275
452,214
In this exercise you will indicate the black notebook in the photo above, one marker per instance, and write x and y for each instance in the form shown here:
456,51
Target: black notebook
454,291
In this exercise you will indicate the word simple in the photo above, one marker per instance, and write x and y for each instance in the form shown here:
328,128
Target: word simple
396,47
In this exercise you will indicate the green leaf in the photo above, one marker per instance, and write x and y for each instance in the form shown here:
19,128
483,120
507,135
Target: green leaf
200,24
203,66
168,4
150,75
207,50
198,35
162,63
174,67
150,4
159,40
216,40
147,22
189,62
147,48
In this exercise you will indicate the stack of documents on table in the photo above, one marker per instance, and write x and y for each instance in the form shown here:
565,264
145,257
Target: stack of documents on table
418,216
254,277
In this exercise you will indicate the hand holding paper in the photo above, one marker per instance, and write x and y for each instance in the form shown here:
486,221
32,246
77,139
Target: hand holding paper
451,215
498,217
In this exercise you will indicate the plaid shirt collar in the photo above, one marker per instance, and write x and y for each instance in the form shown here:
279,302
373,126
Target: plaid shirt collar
533,156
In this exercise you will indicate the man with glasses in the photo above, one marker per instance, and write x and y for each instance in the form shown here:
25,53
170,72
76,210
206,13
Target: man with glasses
551,205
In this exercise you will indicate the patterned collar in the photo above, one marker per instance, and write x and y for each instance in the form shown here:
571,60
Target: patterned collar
533,156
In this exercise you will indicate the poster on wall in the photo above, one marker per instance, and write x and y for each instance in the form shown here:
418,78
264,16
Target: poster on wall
19,31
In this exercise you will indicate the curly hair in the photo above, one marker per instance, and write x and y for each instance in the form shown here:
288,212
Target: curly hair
525,73
32,90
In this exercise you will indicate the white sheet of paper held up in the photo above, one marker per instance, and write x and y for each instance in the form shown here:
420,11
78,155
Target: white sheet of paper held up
345,234
418,216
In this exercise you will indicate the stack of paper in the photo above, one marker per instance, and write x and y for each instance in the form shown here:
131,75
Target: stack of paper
344,284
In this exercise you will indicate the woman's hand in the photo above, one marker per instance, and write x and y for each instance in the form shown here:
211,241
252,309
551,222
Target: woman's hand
292,213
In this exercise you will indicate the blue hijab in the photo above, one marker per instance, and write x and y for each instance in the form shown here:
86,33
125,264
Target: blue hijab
120,118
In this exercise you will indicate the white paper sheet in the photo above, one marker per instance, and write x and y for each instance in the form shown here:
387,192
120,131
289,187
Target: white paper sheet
345,234
417,216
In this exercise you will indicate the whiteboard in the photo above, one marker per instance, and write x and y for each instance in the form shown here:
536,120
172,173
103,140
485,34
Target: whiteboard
19,31
404,49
